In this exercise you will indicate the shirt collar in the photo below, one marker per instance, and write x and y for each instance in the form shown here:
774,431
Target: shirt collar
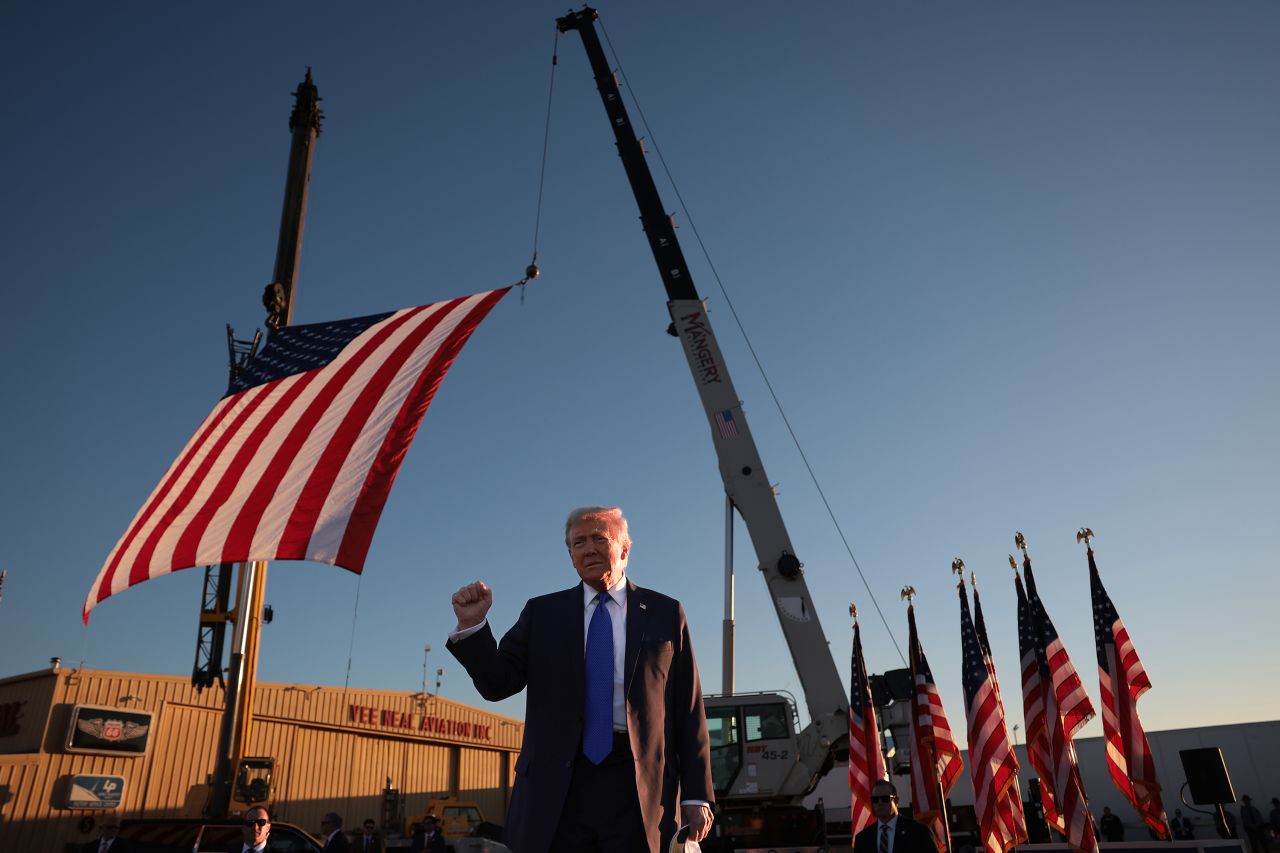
618,592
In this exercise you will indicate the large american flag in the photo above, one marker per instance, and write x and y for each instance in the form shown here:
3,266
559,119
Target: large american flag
866,760
1009,807
1048,742
935,758
297,460
1123,679
993,767
1068,689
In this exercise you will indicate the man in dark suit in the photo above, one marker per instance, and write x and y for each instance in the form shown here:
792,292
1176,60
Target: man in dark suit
255,830
892,833
369,841
605,746
432,840
108,842
335,840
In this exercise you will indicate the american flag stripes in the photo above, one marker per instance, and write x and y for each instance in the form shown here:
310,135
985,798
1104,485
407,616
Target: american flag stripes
993,767
1068,689
1009,807
935,758
725,424
297,461
1048,740
1033,705
866,760
1123,679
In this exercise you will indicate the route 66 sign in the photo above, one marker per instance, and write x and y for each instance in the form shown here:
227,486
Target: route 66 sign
110,731
95,792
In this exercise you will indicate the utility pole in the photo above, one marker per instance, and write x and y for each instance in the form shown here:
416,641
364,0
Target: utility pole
278,299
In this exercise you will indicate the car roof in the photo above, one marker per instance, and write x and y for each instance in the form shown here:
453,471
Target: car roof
182,833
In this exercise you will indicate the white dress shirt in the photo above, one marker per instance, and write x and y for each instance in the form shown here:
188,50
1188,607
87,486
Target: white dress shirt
892,823
617,604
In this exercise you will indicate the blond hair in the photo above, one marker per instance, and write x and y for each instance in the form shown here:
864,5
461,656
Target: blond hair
612,513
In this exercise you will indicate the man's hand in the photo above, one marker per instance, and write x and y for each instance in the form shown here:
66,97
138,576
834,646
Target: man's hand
698,818
471,604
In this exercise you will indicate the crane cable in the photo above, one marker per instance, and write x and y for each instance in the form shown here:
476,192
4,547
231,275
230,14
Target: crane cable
750,348
531,272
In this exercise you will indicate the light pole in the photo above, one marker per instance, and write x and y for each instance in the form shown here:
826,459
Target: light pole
426,652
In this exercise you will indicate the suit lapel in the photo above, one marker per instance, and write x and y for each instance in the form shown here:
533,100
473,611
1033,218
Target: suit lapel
637,620
573,619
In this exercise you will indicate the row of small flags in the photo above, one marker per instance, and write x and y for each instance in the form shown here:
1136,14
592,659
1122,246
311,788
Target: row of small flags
1055,706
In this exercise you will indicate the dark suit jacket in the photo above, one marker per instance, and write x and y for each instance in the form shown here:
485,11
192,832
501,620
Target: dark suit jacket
909,837
543,653
338,844
357,843
120,845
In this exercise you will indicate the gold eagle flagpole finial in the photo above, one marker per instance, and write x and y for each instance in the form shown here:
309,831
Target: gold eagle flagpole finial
1013,564
957,569
1084,534
1020,542
853,613
908,593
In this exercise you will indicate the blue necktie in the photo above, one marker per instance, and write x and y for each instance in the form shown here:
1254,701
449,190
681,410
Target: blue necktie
597,734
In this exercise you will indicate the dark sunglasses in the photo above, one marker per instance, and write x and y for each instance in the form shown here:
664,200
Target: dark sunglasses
883,798
259,822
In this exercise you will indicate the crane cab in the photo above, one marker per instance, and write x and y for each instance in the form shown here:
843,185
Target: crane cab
753,743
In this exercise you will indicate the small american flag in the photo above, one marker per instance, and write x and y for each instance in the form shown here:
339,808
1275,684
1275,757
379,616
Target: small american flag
1068,689
993,767
297,461
935,758
1123,679
1048,739
1033,707
726,425
1011,817
866,761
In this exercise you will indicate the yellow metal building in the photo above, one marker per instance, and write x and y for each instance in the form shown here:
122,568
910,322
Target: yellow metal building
335,749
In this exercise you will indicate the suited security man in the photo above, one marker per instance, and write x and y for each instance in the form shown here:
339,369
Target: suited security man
892,832
255,831
368,842
605,746
335,840
432,840
108,842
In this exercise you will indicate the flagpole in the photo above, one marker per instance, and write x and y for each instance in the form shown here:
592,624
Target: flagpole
278,299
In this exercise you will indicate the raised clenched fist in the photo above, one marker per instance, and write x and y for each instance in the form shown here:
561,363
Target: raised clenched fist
471,604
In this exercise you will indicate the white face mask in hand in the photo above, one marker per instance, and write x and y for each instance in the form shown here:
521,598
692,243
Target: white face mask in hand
680,843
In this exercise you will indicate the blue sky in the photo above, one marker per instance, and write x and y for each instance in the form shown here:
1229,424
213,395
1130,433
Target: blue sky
1009,267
